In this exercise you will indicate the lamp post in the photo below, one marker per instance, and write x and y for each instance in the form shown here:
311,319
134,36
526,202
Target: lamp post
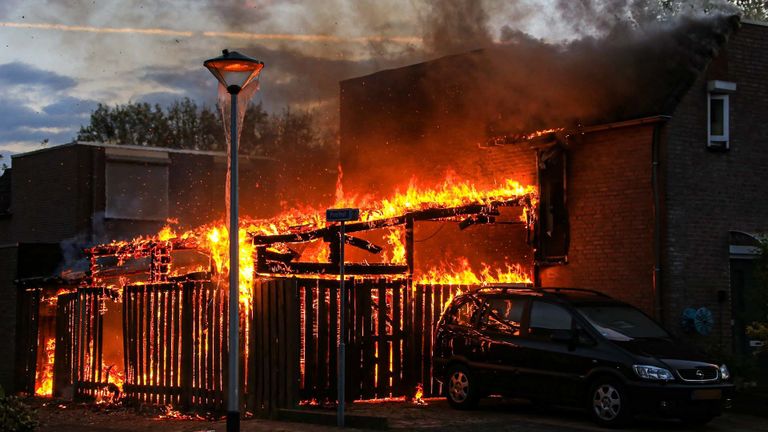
234,71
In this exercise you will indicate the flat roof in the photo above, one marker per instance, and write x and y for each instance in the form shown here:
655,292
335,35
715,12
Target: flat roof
133,147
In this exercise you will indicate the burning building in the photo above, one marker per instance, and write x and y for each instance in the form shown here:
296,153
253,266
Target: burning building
520,164
649,168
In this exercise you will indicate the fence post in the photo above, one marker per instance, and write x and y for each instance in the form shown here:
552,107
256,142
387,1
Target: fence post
186,346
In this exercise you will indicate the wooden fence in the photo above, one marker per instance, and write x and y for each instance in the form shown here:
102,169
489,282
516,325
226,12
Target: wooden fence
176,346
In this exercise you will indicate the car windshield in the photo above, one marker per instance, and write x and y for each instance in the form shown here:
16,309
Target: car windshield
622,323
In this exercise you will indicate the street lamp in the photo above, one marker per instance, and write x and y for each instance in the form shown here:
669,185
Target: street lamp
234,71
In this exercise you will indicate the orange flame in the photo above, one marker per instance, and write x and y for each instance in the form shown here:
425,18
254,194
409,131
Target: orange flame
44,379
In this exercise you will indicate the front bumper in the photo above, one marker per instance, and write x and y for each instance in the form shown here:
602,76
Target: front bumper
680,399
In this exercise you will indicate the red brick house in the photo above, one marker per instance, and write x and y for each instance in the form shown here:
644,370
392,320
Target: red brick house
651,192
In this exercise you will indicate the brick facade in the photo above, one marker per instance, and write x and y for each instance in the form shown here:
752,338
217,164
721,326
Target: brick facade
709,193
610,206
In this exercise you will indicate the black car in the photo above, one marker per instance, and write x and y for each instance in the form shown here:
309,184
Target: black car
573,347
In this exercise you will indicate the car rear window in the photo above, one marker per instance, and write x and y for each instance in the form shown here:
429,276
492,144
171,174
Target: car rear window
547,317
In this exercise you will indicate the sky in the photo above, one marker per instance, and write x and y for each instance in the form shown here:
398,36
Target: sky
60,58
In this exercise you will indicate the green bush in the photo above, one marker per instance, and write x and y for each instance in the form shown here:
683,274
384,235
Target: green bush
15,415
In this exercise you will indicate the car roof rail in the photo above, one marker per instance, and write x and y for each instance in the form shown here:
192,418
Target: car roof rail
557,290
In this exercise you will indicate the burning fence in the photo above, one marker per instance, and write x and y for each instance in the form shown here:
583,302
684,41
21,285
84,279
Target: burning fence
147,321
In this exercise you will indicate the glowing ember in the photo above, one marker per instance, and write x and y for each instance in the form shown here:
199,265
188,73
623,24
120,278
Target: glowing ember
418,397
44,378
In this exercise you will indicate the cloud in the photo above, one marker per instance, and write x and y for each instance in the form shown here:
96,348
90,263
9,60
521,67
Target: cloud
18,73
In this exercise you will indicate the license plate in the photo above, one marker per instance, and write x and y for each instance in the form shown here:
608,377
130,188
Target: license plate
706,394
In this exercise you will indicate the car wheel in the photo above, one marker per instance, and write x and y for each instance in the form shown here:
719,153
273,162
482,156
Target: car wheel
462,389
608,403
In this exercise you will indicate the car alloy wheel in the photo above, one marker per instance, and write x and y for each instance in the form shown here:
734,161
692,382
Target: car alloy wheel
606,402
461,387
458,387
609,403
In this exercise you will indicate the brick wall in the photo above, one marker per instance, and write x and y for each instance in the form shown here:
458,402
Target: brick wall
709,193
8,265
610,206
44,197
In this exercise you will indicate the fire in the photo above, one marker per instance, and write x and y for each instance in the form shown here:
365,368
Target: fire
395,240
462,274
44,381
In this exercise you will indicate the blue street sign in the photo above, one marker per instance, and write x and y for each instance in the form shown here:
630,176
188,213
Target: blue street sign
342,215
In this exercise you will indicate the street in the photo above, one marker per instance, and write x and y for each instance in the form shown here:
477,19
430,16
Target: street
492,415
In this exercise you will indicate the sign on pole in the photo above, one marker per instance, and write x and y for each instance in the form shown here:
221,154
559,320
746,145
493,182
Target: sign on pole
341,215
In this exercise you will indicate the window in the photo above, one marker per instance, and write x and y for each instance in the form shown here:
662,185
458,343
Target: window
547,318
464,313
718,114
503,315
553,230
718,121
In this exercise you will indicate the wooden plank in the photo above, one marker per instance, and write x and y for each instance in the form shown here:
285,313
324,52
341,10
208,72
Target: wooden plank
176,358
310,358
155,343
187,341
164,345
382,361
293,339
98,343
208,347
426,354
397,334
333,330
418,327
282,358
274,381
355,331
369,347
254,384
140,339
322,341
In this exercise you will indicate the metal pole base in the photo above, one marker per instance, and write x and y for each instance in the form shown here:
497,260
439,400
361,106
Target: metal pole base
233,421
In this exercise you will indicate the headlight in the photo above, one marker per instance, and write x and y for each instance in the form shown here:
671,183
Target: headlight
724,372
653,373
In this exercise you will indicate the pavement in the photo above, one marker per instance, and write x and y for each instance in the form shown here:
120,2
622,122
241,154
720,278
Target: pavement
492,415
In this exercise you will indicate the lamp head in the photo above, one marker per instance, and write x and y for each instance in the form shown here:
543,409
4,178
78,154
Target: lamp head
234,70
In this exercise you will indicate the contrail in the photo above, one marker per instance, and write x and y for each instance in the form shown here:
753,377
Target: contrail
87,29
231,35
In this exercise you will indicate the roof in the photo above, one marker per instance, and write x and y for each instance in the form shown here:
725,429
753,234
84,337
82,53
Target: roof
133,147
527,85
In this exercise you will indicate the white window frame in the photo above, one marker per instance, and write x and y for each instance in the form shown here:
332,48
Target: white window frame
719,141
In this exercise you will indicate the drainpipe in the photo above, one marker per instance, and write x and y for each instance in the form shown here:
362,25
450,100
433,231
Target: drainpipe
657,283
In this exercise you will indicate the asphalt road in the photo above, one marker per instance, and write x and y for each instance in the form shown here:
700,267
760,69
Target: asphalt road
493,415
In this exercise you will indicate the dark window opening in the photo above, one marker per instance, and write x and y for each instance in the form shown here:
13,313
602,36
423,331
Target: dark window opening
553,232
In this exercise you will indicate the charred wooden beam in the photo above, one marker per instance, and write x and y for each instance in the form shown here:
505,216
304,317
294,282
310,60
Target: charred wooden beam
273,255
419,215
352,241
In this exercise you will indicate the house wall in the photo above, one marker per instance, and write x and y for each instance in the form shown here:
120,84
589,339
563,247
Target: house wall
709,193
46,201
610,206
8,268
